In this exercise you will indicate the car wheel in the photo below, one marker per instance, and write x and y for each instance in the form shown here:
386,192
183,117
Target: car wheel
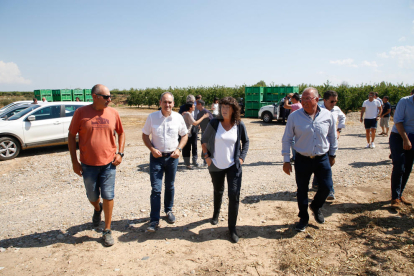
267,117
9,148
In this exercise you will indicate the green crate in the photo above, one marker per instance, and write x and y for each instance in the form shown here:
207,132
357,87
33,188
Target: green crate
252,105
251,113
254,98
264,104
87,95
47,93
253,90
61,95
273,97
77,93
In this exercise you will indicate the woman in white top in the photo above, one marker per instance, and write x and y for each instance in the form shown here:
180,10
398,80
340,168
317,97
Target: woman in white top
215,107
192,135
225,144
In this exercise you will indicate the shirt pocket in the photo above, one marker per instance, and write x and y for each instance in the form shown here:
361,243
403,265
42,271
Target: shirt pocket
172,131
157,130
323,128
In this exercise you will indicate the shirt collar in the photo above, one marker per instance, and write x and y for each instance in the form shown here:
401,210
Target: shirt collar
161,115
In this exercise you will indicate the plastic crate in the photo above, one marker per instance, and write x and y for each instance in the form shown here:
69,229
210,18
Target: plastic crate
77,93
47,93
264,104
87,95
61,95
251,113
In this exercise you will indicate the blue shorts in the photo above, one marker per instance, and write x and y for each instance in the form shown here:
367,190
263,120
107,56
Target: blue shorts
99,180
370,123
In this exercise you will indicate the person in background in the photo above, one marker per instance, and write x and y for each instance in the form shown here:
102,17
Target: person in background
215,107
96,125
164,126
77,99
385,116
402,151
314,130
295,99
372,108
330,98
225,144
190,98
34,101
376,97
201,111
197,98
44,100
192,136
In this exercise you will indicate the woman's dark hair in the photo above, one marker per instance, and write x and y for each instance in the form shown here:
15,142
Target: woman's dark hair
235,116
188,105
215,99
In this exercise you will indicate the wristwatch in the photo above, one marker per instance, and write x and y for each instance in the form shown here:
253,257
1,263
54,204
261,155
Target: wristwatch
121,154
180,149
205,154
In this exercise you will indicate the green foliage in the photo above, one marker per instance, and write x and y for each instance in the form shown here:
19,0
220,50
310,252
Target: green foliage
260,84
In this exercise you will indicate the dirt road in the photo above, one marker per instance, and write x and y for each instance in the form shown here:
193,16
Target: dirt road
47,230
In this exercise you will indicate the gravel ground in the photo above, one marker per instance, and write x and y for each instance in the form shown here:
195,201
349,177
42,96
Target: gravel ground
44,202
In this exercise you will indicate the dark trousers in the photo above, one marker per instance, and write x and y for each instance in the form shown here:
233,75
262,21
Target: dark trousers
304,167
402,161
190,147
234,185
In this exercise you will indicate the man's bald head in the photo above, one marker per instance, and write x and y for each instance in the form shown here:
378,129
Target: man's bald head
313,90
98,88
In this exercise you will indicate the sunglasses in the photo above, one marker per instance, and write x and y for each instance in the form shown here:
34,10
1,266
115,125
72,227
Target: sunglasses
104,96
333,102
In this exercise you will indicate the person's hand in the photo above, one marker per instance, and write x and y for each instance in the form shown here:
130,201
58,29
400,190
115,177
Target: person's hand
287,168
208,161
176,154
241,161
77,168
205,115
117,160
290,95
337,134
331,160
360,120
407,144
156,153
377,118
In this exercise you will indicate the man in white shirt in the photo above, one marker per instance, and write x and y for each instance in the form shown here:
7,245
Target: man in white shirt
164,126
372,108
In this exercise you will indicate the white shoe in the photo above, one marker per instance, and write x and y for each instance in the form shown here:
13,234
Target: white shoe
372,145
368,146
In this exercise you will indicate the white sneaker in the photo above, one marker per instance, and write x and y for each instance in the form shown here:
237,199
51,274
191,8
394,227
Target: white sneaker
368,146
372,145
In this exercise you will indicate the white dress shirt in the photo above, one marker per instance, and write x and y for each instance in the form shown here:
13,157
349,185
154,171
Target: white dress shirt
339,116
312,137
165,130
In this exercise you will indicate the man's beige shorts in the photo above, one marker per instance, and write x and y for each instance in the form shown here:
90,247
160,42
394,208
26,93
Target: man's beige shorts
385,122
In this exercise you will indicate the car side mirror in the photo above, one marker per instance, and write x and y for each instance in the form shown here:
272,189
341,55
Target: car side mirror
31,118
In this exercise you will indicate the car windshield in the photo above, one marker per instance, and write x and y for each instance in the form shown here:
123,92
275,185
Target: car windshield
22,113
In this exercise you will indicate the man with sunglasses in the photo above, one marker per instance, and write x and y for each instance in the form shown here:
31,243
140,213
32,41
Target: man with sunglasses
96,125
330,98
314,130
372,108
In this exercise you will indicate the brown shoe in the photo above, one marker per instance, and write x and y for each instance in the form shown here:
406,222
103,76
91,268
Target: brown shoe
396,203
405,201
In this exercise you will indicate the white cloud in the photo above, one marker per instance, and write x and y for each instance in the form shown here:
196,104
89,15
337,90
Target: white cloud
369,64
347,62
383,55
10,73
404,54
402,39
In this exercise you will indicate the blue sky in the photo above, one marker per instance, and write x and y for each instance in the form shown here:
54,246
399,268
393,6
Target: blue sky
139,44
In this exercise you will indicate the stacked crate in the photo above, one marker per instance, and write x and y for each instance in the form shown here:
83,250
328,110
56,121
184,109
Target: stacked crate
257,97
78,93
47,93
87,95
62,95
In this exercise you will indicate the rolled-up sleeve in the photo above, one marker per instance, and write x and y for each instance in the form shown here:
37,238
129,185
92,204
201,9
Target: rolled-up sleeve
399,112
287,140
341,119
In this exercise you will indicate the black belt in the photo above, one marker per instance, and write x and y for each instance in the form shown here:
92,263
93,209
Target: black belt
166,154
313,156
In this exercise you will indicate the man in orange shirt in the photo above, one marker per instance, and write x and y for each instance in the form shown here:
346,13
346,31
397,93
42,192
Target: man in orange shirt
96,125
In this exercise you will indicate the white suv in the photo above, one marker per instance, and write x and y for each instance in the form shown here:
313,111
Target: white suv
42,124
